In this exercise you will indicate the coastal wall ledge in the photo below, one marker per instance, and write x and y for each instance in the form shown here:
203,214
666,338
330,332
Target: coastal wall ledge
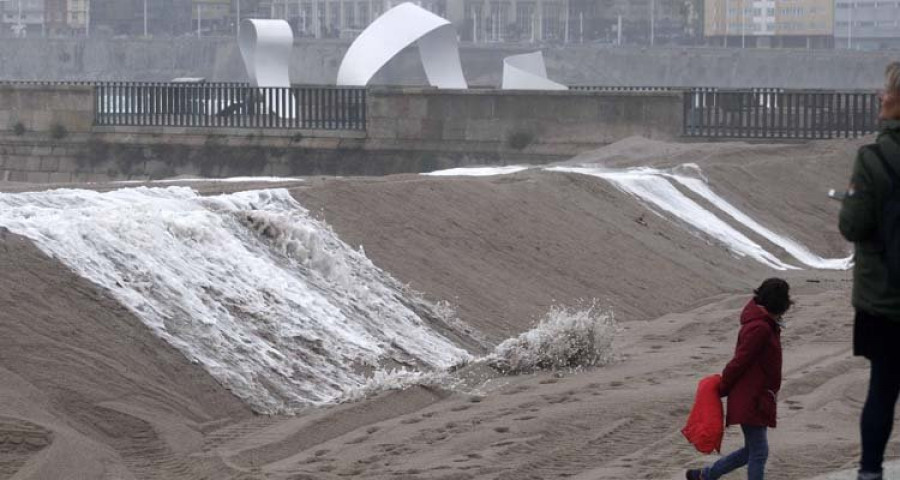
47,135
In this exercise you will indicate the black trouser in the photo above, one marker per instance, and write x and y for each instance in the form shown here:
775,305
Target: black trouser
878,413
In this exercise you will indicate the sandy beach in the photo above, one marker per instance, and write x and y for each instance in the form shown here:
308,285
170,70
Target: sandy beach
88,391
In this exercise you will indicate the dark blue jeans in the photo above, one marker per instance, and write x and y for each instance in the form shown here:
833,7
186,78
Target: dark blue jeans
754,454
878,412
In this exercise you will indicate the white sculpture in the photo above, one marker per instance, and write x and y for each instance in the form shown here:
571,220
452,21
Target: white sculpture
397,29
527,72
266,48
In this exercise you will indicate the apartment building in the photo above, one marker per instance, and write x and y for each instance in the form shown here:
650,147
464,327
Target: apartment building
646,22
126,17
336,18
22,18
212,17
867,25
769,23
77,16
55,18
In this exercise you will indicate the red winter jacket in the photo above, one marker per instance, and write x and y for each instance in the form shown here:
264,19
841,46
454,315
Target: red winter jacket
752,379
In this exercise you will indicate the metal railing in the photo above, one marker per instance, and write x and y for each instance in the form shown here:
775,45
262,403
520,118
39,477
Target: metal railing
779,113
602,88
229,105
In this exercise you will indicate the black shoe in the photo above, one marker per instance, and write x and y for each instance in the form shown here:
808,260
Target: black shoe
693,475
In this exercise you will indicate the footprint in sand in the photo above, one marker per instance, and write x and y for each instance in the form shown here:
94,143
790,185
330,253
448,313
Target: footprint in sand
517,389
357,440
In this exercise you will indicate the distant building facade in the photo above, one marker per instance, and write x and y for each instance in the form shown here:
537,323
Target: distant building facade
78,14
867,25
22,18
336,18
55,17
212,17
768,23
581,21
126,17
496,21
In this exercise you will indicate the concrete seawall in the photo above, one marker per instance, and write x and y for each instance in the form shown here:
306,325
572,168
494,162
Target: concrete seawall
48,135
317,62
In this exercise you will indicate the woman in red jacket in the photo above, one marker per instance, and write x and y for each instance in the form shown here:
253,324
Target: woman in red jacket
751,381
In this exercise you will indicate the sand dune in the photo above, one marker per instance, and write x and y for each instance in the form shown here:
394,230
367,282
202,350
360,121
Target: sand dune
88,389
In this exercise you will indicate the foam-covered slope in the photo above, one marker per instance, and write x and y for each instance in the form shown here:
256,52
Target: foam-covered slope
267,299
782,185
91,387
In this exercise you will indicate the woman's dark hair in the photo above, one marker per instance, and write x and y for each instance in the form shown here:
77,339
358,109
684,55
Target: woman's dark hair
774,295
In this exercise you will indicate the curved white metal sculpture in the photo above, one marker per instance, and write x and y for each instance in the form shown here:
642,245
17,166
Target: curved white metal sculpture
266,48
397,29
527,72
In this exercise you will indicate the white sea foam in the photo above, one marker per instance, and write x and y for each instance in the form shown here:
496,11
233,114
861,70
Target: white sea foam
477,171
653,188
269,300
697,185
565,338
224,180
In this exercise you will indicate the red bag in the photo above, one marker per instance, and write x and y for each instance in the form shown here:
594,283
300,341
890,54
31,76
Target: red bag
706,423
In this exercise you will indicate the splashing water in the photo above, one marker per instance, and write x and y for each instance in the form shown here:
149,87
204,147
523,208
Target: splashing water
565,338
269,300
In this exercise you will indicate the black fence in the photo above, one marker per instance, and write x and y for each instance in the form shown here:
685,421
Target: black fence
602,88
230,105
778,113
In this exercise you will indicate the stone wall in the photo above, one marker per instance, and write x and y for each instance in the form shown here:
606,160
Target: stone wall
520,121
57,109
408,131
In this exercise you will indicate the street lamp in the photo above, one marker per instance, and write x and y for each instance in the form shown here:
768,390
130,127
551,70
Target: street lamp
727,21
